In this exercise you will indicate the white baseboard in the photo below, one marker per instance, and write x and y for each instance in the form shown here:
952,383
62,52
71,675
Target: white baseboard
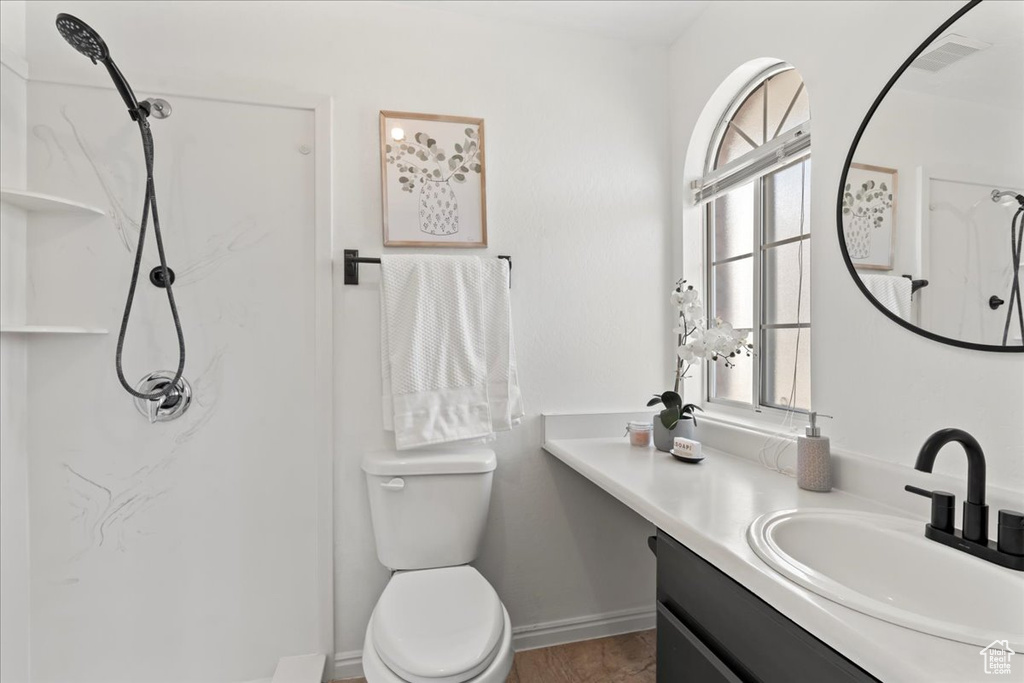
349,664
582,628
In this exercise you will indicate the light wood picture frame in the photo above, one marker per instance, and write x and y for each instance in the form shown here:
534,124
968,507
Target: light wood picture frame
869,216
433,180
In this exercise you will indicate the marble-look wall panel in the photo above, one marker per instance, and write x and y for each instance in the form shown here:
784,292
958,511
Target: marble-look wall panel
186,550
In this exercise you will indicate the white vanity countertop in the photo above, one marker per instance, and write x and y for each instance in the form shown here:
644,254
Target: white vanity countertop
707,507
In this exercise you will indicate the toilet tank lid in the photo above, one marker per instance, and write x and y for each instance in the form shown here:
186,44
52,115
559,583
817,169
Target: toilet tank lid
446,461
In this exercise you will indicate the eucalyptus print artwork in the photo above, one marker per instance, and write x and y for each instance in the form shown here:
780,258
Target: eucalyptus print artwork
869,215
433,178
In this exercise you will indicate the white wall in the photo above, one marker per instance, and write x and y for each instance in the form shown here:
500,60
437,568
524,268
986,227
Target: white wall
887,388
14,549
578,194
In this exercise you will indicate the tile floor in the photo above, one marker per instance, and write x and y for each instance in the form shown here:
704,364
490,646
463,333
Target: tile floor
618,659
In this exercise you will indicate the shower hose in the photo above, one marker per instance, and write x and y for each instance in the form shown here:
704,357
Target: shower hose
149,204
1016,242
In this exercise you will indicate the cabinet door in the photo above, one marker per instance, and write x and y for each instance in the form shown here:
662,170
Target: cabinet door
682,658
756,642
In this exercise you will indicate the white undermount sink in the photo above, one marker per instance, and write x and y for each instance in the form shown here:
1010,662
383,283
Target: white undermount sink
884,567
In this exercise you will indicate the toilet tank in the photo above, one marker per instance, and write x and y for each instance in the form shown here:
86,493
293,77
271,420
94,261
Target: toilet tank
429,507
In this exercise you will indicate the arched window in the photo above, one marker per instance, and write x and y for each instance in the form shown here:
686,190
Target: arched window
756,190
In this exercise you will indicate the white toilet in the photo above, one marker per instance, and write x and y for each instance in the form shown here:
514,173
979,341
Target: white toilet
438,620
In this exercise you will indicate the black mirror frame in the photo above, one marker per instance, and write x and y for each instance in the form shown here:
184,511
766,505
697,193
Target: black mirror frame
842,184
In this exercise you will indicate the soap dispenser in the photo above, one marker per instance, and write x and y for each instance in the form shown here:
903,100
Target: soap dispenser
813,458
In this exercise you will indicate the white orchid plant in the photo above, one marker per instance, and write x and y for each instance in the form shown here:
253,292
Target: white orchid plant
696,343
696,340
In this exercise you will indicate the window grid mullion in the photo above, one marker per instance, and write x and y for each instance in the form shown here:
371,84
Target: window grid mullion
784,242
758,366
730,259
709,221
786,326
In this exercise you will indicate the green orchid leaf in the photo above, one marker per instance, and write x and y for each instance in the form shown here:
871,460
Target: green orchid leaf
672,400
687,411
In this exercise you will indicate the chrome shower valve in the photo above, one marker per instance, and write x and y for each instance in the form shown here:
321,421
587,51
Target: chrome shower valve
168,407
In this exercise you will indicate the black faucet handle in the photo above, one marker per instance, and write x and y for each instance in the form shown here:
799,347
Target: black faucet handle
1011,532
943,507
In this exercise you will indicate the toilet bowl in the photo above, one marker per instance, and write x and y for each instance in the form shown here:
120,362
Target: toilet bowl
438,619
438,626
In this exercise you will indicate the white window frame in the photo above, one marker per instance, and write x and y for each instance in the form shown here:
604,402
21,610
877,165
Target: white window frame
787,149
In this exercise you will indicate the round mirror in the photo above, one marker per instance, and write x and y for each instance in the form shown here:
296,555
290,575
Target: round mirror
931,200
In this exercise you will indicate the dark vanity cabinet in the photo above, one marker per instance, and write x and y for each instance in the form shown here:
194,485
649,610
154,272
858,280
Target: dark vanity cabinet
713,630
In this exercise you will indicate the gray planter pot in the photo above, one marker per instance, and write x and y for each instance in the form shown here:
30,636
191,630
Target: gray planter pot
663,437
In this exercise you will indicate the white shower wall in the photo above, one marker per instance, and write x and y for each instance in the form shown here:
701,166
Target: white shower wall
186,550
14,549
969,258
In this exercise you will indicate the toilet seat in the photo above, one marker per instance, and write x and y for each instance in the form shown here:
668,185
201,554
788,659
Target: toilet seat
441,625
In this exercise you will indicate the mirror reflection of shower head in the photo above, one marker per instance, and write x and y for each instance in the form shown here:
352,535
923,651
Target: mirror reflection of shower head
999,195
86,40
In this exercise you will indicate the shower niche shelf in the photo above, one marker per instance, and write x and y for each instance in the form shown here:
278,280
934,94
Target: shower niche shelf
50,329
38,202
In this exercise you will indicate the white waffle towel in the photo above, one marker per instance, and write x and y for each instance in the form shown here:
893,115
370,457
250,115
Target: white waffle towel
447,355
891,291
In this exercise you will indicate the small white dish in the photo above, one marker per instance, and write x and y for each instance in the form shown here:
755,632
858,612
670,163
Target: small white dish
685,457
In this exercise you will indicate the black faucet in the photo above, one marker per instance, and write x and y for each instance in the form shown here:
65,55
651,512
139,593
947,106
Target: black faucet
975,510
1009,551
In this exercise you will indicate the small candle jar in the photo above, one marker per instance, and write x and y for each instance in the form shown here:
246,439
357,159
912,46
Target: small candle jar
640,433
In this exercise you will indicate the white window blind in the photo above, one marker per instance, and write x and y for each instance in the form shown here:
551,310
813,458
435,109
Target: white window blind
773,155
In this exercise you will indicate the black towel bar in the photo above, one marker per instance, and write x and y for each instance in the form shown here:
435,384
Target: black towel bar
916,284
353,259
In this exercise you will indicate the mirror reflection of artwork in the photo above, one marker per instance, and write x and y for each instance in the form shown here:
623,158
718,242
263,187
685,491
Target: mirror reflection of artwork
432,180
948,124
869,215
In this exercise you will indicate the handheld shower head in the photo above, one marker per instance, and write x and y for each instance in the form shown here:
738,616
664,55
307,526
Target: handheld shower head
82,37
164,397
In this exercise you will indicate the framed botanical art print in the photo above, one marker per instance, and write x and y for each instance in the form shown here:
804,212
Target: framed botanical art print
433,180
869,216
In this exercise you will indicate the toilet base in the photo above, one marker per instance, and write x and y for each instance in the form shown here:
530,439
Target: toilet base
376,671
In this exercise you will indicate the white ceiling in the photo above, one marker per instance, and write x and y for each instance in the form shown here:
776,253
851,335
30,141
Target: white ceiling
650,21
994,76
